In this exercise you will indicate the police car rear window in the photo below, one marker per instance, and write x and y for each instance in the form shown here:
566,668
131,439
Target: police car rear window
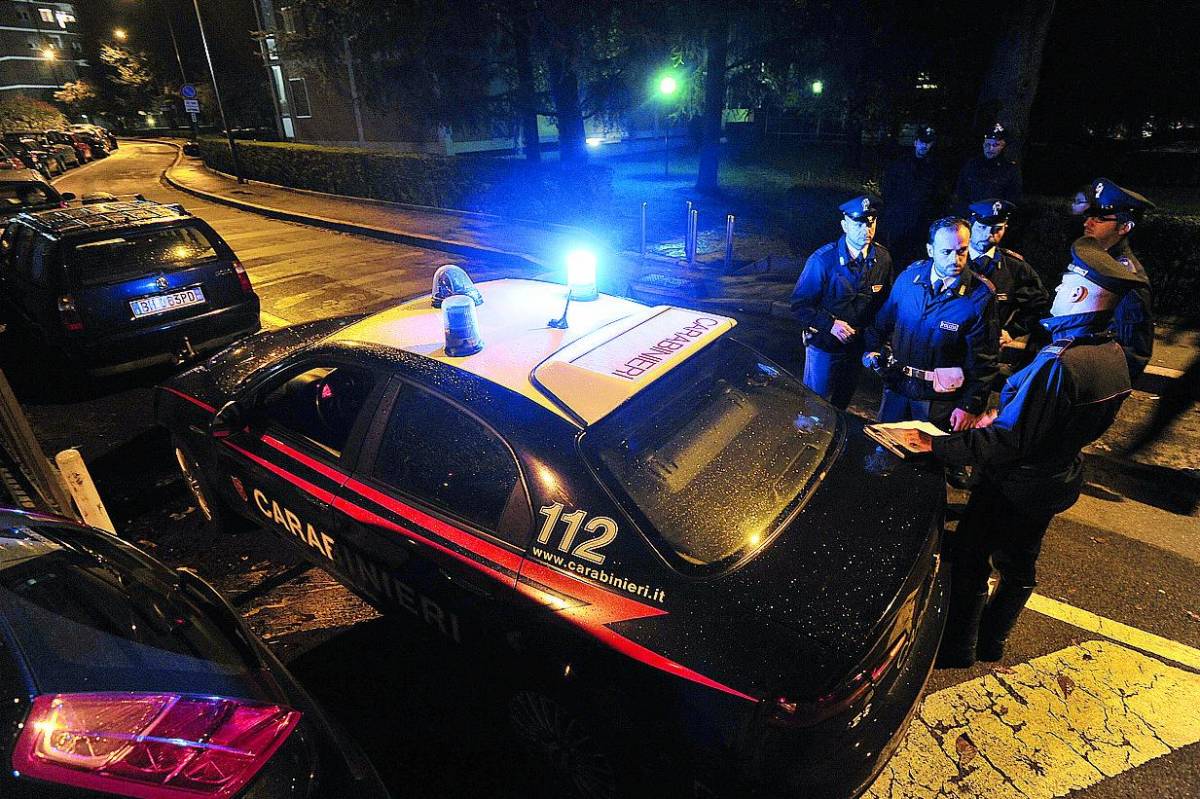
132,254
715,455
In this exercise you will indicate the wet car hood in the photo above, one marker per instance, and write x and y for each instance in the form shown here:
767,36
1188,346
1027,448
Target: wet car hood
218,378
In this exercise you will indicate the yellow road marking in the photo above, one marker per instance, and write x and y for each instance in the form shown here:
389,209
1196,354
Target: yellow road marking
1163,647
1059,723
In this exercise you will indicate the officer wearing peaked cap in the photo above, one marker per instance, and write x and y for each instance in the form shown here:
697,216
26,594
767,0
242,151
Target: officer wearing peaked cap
839,291
915,189
1028,453
1110,219
1021,299
991,173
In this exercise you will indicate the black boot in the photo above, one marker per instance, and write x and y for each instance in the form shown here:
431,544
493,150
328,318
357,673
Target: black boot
998,619
957,650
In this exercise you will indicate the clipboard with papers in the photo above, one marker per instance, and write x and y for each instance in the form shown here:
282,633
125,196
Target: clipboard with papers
883,434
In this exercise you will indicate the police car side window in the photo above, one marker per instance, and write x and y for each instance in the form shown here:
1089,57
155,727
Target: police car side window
439,455
320,404
22,244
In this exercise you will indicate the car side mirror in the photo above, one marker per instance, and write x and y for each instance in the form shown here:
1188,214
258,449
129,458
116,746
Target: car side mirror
228,420
68,195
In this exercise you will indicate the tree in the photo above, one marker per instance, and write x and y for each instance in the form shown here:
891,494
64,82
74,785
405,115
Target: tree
137,88
20,112
80,97
1011,82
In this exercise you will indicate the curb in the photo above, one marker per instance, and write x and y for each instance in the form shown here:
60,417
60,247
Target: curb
508,258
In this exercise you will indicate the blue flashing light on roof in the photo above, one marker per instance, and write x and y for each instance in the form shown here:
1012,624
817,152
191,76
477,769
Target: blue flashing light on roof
461,326
581,275
450,280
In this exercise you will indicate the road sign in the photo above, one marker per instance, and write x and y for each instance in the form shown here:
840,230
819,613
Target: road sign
191,106
187,91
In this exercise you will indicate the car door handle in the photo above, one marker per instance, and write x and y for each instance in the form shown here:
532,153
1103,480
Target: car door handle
319,504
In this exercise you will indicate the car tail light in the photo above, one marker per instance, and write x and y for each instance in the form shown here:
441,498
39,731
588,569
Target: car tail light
69,314
243,278
16,163
150,746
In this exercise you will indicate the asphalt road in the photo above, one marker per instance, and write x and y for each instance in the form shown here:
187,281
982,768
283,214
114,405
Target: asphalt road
1104,715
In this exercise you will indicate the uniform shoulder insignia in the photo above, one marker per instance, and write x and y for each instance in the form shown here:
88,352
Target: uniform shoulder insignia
1012,253
985,282
1058,347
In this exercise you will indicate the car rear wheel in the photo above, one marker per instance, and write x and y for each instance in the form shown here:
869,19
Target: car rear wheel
574,751
215,515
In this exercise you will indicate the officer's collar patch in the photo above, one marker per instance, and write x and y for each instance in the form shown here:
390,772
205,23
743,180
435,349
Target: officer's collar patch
1054,349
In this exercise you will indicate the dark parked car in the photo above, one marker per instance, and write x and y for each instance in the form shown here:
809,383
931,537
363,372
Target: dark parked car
9,160
83,150
100,144
121,676
661,531
33,155
114,286
23,190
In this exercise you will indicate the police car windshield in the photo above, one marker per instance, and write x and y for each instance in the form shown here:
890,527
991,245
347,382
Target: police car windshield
714,455
136,253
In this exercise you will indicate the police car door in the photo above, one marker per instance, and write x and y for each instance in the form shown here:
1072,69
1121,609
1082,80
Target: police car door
287,466
442,514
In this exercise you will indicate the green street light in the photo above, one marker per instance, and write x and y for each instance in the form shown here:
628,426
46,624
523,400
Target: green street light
817,87
667,86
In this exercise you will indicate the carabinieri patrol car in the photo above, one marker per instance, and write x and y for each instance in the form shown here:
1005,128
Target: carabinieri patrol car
701,568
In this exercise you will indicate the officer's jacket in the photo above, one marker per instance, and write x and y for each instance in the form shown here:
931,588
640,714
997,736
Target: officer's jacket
1061,402
954,328
832,287
989,177
913,194
1021,299
1133,319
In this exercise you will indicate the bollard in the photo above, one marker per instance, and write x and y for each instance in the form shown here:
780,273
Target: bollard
694,228
687,230
728,242
643,231
83,490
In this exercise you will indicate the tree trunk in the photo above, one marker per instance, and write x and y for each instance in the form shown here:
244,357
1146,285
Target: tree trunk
716,47
1011,82
527,110
564,88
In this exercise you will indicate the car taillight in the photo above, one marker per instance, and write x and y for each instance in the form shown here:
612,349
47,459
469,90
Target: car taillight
243,278
67,312
150,746
16,163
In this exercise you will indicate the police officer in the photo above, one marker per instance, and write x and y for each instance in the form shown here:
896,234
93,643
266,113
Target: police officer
990,174
1021,299
838,293
1110,219
935,339
914,191
1029,453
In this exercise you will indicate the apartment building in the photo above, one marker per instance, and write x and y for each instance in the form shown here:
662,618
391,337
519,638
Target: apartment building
40,47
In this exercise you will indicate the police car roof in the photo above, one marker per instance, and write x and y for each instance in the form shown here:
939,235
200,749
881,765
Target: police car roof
613,348
104,216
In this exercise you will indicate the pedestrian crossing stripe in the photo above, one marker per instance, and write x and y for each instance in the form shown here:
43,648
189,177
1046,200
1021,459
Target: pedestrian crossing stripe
1059,723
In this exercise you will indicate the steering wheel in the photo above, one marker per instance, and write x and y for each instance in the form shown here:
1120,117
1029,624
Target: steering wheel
335,399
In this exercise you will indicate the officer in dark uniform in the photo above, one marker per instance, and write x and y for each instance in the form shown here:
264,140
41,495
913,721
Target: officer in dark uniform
914,193
1110,219
838,293
935,339
990,174
1021,299
1028,452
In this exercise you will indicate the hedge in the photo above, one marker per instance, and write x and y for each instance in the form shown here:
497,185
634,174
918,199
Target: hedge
509,187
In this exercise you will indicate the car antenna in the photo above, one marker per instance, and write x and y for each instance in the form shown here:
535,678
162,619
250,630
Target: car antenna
561,322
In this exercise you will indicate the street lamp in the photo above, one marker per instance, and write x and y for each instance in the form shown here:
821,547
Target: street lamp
119,34
48,54
817,87
237,165
667,86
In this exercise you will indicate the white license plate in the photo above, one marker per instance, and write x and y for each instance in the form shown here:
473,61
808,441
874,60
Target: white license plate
161,303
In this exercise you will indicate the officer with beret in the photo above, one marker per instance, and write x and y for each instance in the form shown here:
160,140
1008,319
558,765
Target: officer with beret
1028,453
935,339
1021,299
838,293
991,173
915,191
1110,219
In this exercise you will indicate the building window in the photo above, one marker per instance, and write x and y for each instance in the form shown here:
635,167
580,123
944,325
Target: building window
300,98
77,47
23,14
280,89
272,48
289,130
63,17
47,14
